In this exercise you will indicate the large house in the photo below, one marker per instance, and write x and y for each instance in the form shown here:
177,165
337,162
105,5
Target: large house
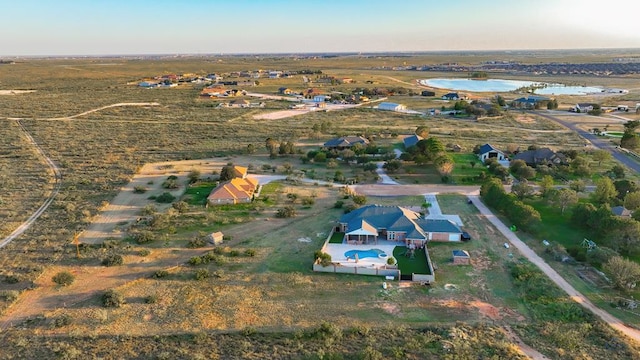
345,142
451,96
487,151
543,156
234,191
529,102
369,224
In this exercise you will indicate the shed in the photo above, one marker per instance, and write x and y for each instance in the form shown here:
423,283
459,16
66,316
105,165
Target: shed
216,238
388,106
461,257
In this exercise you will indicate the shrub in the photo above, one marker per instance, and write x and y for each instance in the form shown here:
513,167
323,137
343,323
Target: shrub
165,198
11,279
151,299
339,204
202,274
195,261
112,298
391,261
325,259
250,252
113,260
144,237
149,209
9,295
359,199
234,253
161,274
171,182
62,320
181,206
308,201
144,252
196,242
63,278
139,189
286,212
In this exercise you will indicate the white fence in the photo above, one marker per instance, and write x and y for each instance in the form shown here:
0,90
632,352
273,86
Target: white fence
338,269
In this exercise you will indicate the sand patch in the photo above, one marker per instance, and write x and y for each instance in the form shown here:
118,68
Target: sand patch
525,119
486,309
15,92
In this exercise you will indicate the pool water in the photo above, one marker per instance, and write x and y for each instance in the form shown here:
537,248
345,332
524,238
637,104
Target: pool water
373,253
501,85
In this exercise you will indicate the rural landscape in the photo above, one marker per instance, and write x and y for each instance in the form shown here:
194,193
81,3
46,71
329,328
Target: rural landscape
321,206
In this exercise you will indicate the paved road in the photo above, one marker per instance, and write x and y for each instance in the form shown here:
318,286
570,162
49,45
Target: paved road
552,274
597,141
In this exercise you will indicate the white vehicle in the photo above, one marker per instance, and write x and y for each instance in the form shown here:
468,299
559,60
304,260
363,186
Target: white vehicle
506,245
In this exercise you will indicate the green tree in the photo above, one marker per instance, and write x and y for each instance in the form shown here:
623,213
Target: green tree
624,187
546,184
251,149
618,171
577,185
632,201
227,172
526,172
623,234
272,146
422,131
623,273
522,189
194,176
630,139
286,212
359,199
601,155
564,198
605,191
392,166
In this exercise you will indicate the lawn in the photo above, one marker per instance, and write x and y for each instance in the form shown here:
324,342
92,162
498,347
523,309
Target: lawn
557,226
197,194
336,238
408,265
464,172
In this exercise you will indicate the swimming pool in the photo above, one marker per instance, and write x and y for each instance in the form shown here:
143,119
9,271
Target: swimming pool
373,253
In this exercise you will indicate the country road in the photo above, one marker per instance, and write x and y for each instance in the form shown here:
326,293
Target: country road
597,141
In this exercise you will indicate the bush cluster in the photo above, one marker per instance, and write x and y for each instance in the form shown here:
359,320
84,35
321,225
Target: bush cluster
521,214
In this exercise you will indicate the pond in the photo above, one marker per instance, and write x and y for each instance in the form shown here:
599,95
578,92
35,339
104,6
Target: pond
501,85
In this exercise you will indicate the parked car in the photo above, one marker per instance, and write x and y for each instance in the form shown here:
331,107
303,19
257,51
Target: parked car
465,236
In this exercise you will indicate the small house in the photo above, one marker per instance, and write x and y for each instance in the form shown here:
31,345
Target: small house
427,93
487,151
583,107
451,96
412,140
216,238
621,211
461,257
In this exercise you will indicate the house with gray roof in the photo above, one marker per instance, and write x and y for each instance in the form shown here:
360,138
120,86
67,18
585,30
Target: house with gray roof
487,151
542,156
345,142
621,211
371,223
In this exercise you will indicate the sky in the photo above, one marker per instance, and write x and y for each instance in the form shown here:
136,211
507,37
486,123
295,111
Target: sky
129,27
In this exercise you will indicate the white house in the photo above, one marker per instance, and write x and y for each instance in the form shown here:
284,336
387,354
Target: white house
319,98
388,106
487,151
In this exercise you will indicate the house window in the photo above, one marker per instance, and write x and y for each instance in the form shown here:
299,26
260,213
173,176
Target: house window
391,235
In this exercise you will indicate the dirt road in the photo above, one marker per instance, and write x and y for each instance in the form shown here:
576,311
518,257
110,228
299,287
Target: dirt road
57,183
552,274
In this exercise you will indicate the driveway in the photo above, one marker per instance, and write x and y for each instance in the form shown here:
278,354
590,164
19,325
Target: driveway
552,274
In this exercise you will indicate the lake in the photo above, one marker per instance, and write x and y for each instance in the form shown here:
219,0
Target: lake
501,85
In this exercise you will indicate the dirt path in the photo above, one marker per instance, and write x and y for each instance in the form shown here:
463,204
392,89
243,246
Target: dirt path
57,183
102,108
552,274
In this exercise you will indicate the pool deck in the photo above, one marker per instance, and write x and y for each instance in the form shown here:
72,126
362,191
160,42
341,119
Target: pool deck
337,252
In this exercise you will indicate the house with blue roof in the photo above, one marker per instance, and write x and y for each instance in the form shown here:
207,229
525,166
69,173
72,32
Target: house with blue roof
345,142
371,223
412,140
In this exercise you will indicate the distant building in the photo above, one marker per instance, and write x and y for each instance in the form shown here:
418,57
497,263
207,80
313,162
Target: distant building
542,156
451,96
427,93
345,142
388,106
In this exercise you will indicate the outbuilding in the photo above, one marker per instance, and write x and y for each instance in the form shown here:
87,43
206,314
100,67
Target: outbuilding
461,257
